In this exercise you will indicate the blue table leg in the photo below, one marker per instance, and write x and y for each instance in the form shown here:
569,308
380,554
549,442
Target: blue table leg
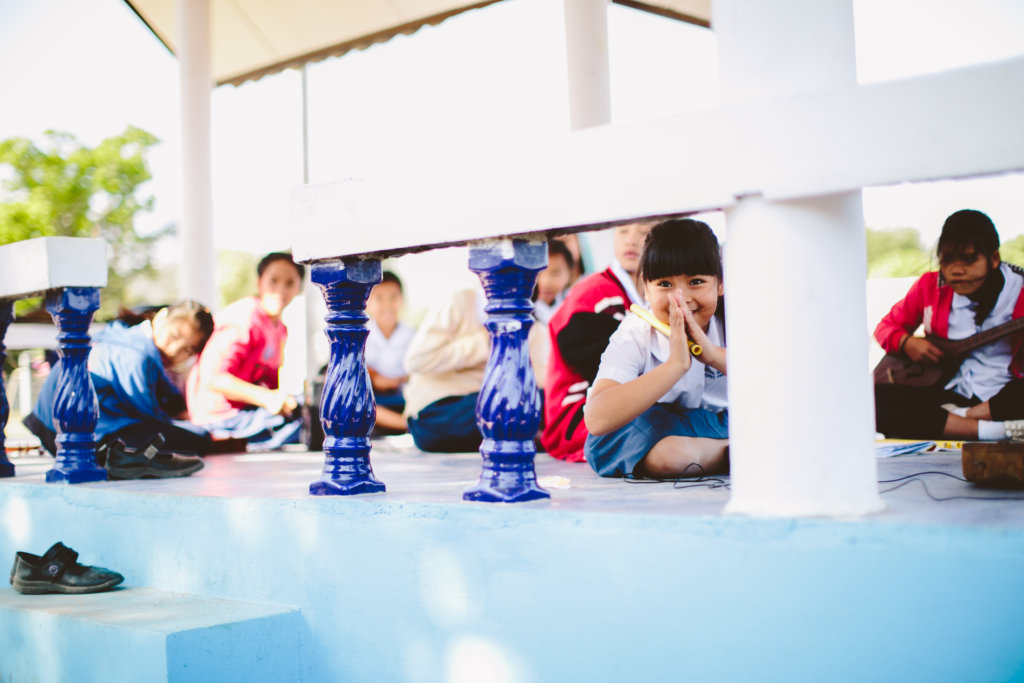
75,409
6,318
347,408
508,409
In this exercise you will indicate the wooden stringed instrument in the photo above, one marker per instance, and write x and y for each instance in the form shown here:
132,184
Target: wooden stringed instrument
897,368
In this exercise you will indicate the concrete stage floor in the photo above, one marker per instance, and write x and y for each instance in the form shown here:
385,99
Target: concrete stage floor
412,476
606,581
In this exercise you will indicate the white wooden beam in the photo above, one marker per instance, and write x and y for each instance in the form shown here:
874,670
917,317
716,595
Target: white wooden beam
31,267
954,124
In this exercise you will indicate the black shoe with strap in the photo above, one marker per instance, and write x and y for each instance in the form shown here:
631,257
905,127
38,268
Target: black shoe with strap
58,571
146,461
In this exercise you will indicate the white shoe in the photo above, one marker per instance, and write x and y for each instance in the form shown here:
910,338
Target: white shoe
1014,430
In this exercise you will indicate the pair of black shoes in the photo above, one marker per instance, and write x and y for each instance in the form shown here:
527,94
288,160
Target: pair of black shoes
58,571
145,462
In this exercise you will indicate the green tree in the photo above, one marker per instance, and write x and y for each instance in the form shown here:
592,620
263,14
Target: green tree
1013,251
64,188
896,253
236,273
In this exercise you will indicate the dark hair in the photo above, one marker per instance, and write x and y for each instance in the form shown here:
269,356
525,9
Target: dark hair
388,276
198,314
558,247
279,256
680,245
131,317
965,229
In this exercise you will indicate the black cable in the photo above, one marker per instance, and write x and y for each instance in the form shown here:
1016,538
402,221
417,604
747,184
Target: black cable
918,474
702,481
911,478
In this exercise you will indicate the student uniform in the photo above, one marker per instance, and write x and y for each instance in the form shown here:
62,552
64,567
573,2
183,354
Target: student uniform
695,406
386,356
990,373
578,332
136,397
249,344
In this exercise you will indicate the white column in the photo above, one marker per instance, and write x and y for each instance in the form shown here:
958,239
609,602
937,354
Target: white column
801,408
197,274
586,46
313,298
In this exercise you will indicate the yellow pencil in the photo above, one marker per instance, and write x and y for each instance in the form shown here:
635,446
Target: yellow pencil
647,317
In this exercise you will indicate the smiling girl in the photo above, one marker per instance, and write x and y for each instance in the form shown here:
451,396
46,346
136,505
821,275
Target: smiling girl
655,410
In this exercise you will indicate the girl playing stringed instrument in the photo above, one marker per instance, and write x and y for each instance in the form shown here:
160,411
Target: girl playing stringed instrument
981,397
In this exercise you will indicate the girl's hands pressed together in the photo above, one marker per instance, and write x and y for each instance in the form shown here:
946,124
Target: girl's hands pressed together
710,353
679,351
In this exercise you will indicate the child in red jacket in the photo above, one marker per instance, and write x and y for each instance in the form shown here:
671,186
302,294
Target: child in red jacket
973,291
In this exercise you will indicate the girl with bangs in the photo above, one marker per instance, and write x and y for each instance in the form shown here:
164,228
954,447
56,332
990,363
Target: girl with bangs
656,408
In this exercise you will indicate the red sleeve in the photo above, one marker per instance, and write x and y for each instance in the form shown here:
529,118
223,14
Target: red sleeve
233,345
906,315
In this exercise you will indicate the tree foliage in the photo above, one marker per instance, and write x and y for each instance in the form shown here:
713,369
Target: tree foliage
236,273
896,253
64,188
899,253
1013,251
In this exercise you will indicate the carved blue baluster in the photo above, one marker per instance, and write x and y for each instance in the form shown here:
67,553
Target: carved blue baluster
75,409
347,408
508,409
6,317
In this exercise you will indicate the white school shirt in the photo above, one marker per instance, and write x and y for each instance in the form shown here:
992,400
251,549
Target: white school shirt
637,348
386,355
986,369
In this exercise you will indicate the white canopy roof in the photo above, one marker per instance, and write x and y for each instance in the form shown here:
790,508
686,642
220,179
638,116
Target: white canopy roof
253,38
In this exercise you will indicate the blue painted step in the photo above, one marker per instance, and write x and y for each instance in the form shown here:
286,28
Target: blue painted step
140,634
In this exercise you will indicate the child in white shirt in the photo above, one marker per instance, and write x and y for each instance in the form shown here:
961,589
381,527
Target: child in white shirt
386,346
654,409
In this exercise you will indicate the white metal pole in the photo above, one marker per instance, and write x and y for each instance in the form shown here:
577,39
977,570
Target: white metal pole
801,411
197,265
313,299
586,44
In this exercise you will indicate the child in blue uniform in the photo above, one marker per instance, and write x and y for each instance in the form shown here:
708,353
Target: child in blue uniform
137,397
654,409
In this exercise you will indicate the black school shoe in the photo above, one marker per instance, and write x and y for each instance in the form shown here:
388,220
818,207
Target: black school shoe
145,462
58,571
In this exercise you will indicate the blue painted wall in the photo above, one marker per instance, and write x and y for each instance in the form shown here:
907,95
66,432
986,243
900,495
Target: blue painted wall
428,592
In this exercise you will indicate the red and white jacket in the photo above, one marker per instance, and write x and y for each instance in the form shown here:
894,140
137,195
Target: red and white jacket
929,302
580,330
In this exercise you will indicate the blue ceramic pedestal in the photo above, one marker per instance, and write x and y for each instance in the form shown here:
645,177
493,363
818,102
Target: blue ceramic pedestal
509,406
347,408
6,317
75,409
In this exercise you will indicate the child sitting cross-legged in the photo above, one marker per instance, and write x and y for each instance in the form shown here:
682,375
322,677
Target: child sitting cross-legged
656,410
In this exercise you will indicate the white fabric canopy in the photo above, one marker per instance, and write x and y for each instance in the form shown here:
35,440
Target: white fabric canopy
253,38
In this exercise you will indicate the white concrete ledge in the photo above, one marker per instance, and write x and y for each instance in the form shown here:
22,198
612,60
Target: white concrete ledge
34,266
37,335
947,125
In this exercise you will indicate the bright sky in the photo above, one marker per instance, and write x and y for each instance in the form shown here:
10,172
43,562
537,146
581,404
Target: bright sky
91,68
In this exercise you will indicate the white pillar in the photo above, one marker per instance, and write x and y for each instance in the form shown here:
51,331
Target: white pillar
586,46
197,274
313,298
800,399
